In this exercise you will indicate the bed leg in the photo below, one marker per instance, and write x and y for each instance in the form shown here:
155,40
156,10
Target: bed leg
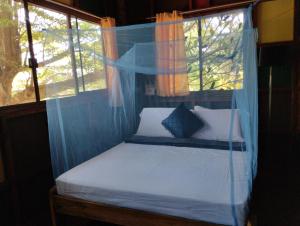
52,209
252,221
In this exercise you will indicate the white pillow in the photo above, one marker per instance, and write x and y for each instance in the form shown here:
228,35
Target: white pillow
150,124
217,124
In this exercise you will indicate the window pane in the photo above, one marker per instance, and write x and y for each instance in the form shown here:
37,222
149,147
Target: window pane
218,66
52,51
222,65
192,47
88,49
16,83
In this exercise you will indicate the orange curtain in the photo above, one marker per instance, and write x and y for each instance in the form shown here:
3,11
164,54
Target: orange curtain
111,54
171,55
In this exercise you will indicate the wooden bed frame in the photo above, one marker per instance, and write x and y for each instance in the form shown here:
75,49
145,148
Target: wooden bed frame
112,214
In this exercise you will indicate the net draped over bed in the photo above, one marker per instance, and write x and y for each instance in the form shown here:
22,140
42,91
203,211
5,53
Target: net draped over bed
207,63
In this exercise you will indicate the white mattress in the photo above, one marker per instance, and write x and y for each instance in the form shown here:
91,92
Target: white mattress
186,182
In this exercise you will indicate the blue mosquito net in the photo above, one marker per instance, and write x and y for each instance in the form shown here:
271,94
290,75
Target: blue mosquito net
126,80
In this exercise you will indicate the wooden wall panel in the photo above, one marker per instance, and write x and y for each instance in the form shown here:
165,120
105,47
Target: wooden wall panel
170,5
25,145
67,2
1,170
5,209
297,97
275,21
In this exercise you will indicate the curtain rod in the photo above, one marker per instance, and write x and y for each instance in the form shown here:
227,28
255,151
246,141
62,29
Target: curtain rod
218,7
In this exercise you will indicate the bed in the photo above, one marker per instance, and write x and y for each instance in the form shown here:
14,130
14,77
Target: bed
167,184
150,94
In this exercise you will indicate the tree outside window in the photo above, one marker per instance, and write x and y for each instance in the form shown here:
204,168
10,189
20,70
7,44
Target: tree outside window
212,43
64,46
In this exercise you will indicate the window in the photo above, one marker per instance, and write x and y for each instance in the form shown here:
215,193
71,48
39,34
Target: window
16,84
66,53
52,52
87,41
66,57
218,65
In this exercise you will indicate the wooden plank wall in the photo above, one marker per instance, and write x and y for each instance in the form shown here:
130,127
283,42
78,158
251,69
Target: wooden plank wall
2,178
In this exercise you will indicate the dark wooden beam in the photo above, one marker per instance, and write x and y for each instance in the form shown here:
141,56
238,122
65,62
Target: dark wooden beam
49,4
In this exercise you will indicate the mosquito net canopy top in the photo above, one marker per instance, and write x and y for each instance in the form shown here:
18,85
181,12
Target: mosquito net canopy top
142,73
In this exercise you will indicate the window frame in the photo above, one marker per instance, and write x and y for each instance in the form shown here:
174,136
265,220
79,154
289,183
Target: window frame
192,14
69,12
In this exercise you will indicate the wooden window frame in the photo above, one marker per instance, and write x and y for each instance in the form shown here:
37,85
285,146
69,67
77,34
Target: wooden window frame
199,22
69,12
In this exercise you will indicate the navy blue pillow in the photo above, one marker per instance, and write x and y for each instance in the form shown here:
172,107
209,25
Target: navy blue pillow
182,123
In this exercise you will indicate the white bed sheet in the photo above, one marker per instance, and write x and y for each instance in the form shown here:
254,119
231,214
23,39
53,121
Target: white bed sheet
186,182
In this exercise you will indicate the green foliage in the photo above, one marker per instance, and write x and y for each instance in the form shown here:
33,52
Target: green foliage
53,53
214,59
63,54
